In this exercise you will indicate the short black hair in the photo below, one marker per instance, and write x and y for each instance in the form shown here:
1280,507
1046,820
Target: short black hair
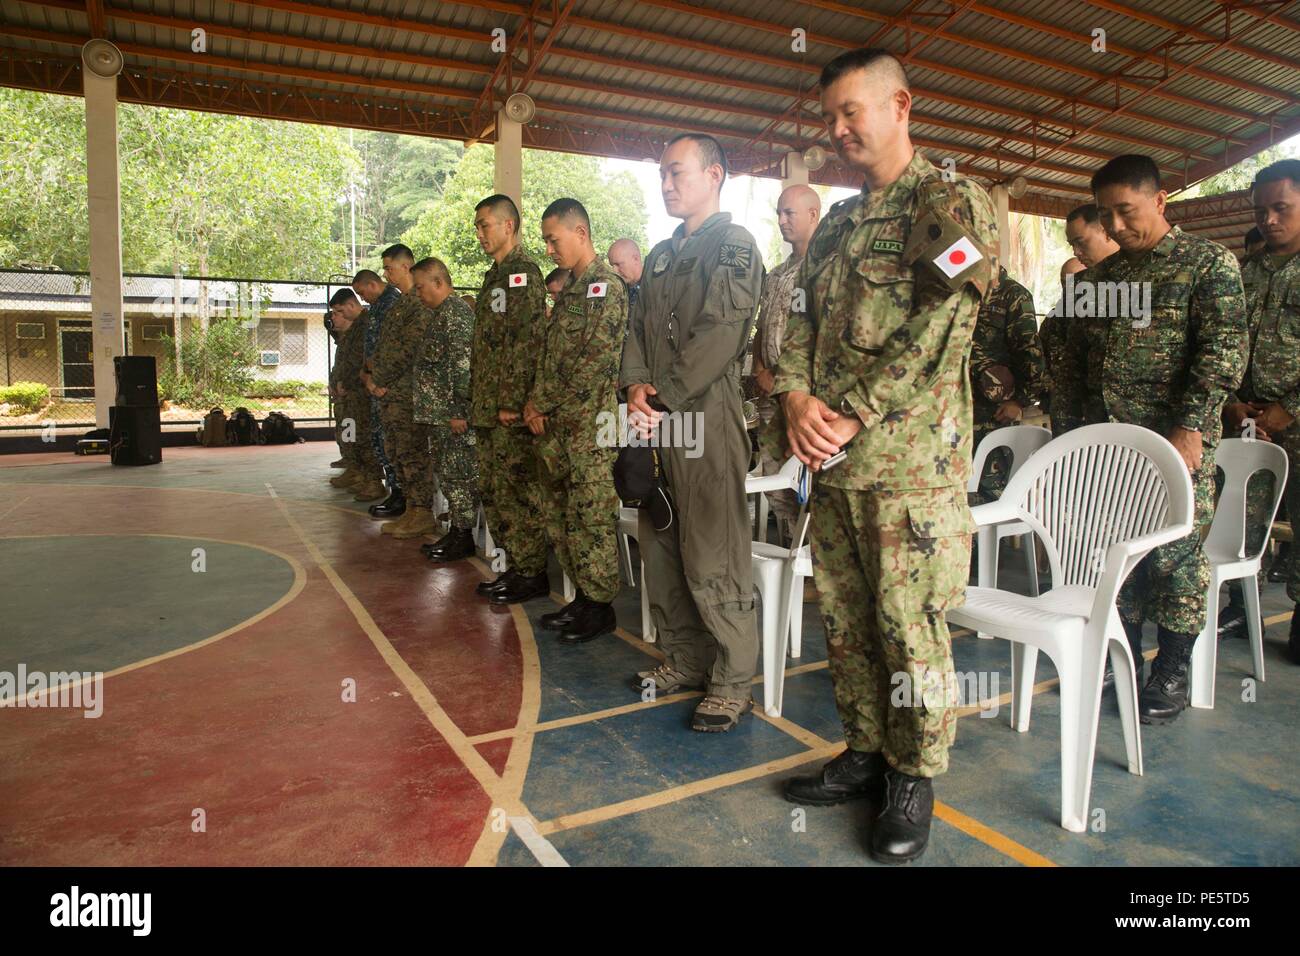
503,206
1276,172
554,275
399,253
711,151
1087,212
435,265
1254,236
1132,170
343,296
568,209
861,59
367,275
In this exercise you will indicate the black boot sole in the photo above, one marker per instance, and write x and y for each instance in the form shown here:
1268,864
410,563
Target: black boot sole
554,625
497,597
828,801
897,860
1159,720
568,638
446,557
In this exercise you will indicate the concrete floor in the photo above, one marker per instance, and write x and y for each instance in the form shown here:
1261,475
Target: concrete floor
471,736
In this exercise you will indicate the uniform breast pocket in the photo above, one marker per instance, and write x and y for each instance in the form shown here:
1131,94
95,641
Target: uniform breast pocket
1288,318
880,303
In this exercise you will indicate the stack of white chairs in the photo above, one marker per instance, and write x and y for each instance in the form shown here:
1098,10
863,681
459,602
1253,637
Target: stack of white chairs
1225,547
1100,498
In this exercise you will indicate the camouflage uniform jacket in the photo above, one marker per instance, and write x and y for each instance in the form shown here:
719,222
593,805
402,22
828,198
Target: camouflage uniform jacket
350,355
1174,367
1273,307
441,385
887,332
378,309
393,363
1006,334
509,314
774,310
577,375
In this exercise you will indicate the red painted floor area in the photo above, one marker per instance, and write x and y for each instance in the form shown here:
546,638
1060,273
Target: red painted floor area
252,728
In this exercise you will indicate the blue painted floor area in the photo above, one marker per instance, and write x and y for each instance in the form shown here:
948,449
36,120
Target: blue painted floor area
95,603
605,761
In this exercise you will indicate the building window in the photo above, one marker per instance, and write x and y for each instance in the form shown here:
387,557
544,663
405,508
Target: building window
286,336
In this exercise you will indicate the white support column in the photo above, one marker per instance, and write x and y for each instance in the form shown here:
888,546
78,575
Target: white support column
796,171
1002,206
508,169
104,207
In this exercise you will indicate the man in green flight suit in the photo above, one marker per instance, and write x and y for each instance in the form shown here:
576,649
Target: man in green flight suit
682,364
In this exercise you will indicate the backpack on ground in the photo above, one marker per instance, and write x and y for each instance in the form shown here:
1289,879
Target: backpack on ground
212,433
242,429
278,429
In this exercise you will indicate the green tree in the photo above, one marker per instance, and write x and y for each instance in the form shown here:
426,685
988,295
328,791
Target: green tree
401,178
614,202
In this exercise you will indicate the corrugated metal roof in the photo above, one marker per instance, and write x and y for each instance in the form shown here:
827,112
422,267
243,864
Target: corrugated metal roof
1006,86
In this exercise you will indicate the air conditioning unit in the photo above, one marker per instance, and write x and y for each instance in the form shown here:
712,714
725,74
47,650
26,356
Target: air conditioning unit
30,330
271,358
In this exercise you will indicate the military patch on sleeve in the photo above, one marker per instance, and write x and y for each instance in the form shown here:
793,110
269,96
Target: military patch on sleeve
887,245
735,255
596,290
661,263
518,279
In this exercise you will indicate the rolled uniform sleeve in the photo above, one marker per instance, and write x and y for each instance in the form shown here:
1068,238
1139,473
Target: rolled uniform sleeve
709,342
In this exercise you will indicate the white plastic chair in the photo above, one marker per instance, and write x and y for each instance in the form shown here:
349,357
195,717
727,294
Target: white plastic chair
1100,498
779,575
759,504
1021,441
1225,547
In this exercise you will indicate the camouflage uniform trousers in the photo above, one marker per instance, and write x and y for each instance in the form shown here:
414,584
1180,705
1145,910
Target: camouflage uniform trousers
997,466
771,447
1259,498
453,459
884,591
406,444
581,514
1169,585
377,434
352,414
508,483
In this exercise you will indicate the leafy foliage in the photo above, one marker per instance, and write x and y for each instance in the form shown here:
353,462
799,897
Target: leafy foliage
216,365
23,398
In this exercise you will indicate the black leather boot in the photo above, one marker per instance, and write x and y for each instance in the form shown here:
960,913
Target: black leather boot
456,545
852,775
556,620
902,830
590,621
394,506
522,589
1293,642
1232,619
1165,695
503,579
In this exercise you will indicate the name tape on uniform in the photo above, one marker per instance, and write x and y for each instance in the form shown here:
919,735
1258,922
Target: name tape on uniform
958,257
518,279
596,290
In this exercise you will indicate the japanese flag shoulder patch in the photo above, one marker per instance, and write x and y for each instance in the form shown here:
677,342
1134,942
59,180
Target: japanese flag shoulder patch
734,255
597,290
518,279
942,248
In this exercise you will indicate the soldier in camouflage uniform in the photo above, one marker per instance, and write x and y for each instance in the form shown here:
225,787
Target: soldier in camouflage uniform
684,354
441,397
1007,371
509,319
351,402
1052,336
878,368
1169,371
381,295
1268,402
406,441
573,401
